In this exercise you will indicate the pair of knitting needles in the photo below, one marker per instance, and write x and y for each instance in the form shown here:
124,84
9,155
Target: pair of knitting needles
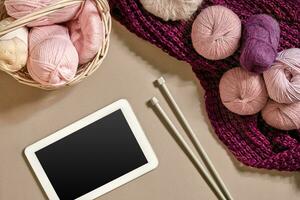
211,177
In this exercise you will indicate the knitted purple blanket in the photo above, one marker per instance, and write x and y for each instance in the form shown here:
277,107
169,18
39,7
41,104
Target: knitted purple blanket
249,138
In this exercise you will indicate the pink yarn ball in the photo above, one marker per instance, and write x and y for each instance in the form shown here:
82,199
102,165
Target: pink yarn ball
53,59
216,33
87,32
282,116
243,92
283,78
21,8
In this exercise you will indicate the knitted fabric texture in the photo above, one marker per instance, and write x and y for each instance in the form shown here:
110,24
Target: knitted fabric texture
249,138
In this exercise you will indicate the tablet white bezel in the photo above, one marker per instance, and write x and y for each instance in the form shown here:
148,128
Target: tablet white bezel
136,129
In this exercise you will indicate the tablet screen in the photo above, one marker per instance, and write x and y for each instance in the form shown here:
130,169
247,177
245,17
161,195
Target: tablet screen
91,157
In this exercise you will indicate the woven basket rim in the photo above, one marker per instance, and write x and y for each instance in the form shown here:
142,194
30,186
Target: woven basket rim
23,77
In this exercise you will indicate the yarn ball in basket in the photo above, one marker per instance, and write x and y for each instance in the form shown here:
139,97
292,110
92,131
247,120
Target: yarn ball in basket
21,8
260,42
243,92
53,59
283,78
216,33
87,32
171,9
282,116
13,48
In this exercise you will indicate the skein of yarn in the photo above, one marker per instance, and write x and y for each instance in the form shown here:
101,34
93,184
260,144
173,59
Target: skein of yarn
282,116
260,42
53,59
283,78
171,9
21,8
87,32
13,48
216,33
243,92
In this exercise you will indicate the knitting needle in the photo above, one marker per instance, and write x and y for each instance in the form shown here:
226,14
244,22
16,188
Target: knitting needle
206,176
162,84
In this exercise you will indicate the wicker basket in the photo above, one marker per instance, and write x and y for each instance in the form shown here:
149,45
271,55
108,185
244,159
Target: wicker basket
85,70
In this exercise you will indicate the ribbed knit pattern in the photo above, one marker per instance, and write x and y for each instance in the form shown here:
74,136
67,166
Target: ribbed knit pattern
249,138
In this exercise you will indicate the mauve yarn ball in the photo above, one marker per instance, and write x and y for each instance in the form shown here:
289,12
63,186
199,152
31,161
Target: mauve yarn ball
216,33
21,8
171,9
87,32
53,59
13,48
243,92
282,116
260,42
283,78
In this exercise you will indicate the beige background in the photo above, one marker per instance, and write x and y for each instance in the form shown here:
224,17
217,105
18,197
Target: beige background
28,115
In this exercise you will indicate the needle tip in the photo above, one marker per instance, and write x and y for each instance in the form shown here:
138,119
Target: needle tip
154,101
161,81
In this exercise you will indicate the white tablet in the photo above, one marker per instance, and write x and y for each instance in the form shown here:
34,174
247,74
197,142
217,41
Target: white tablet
93,155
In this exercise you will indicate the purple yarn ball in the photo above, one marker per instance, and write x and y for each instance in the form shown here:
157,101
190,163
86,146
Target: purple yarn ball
260,42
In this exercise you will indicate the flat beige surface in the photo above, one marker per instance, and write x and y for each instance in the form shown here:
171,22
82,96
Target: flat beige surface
28,115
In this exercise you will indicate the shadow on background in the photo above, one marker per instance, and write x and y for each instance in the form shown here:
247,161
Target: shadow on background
15,96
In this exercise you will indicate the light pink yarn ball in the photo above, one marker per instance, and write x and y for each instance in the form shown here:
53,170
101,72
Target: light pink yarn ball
282,116
172,9
20,8
216,33
283,78
243,92
87,32
53,59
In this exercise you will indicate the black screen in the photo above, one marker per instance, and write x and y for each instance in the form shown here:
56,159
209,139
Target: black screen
91,157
